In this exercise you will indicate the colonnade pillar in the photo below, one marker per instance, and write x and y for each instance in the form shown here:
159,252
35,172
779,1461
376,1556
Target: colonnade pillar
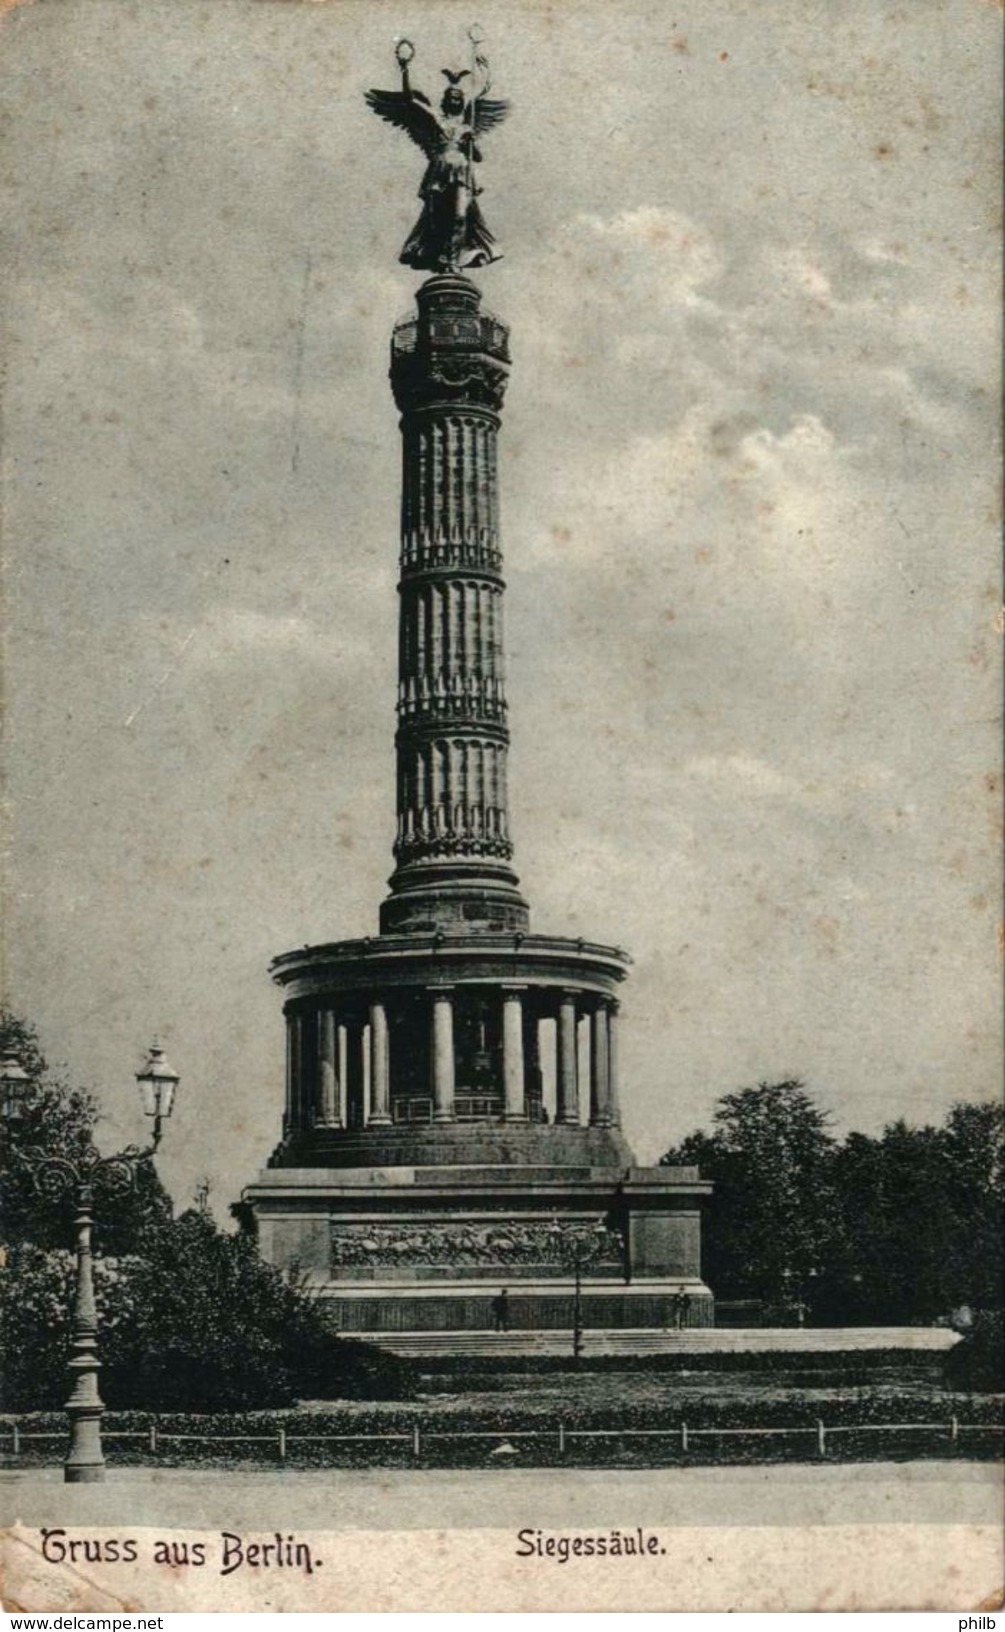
599,1069
291,1077
514,1082
532,1056
567,1106
355,1072
443,1055
329,1106
380,1078
613,1095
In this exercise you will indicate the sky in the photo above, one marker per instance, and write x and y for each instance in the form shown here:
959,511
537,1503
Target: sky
750,523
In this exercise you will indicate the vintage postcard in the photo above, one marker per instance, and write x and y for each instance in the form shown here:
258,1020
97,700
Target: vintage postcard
500,1058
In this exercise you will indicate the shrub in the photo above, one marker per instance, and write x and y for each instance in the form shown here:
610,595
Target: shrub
218,1329
37,1290
978,1362
197,1323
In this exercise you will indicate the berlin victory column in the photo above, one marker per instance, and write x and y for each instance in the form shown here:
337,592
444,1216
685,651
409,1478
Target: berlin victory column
452,1123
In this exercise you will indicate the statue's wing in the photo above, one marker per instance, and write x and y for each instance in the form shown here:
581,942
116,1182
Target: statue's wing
489,113
411,113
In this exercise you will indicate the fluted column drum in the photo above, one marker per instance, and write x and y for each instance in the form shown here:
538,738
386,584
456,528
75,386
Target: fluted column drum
453,848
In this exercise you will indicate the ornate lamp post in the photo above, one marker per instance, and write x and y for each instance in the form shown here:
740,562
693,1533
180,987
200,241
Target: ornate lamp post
796,1288
578,1245
57,1177
15,1086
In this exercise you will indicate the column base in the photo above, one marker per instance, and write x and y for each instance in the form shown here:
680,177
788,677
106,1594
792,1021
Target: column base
454,897
380,1119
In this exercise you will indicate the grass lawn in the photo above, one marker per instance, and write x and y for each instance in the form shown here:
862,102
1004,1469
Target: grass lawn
609,1417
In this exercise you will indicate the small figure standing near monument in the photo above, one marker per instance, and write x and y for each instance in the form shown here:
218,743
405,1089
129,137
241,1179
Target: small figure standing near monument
500,1311
451,233
680,1305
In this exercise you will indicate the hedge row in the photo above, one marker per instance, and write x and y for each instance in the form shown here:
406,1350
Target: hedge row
848,1364
796,1410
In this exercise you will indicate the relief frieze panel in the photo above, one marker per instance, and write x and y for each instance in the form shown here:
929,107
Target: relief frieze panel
474,1246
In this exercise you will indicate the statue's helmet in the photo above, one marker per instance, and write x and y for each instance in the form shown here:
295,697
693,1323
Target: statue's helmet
453,100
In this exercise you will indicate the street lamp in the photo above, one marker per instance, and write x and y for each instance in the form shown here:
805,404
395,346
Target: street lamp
56,1177
795,1291
578,1245
15,1087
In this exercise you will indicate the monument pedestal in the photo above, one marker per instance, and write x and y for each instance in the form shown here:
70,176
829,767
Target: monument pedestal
399,1249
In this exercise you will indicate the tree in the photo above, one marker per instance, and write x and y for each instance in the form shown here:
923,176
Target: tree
975,1160
61,1121
773,1218
893,1263
923,1217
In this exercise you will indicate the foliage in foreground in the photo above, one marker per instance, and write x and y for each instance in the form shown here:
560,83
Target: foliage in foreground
705,1407
217,1328
857,1425
195,1322
190,1317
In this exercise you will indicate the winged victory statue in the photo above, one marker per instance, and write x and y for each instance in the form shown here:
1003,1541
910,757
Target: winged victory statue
451,234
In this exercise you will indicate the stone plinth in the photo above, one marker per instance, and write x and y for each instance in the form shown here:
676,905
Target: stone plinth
428,1249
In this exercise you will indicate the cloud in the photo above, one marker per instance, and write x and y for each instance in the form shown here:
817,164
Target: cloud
647,254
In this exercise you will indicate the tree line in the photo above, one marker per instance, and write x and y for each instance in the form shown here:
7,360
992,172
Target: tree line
903,1227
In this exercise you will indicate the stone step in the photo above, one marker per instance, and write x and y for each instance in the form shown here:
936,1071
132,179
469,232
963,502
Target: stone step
698,1341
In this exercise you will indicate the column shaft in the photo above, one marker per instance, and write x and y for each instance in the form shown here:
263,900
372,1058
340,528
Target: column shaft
600,1111
296,1025
443,1057
532,1058
355,1073
567,1107
514,1087
288,1116
329,1106
613,1085
380,1081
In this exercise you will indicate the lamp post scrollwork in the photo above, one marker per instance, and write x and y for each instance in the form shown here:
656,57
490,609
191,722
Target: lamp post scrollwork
577,1246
